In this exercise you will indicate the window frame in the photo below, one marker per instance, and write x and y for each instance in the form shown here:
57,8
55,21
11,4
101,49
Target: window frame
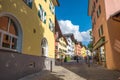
29,3
42,14
51,25
10,36
51,7
99,11
100,31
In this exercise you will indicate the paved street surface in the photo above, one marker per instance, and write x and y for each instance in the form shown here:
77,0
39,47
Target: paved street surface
75,71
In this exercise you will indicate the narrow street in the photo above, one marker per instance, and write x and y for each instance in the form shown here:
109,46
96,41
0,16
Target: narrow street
76,71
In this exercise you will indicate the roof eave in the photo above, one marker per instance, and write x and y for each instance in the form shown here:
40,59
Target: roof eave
55,2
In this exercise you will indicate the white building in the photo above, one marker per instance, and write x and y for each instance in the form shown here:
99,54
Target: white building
71,45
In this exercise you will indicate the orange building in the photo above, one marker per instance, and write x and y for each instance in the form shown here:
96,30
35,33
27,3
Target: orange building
78,46
106,31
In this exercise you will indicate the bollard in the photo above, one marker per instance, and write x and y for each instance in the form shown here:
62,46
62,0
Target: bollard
51,66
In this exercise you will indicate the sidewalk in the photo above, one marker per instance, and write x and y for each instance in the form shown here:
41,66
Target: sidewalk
58,73
75,71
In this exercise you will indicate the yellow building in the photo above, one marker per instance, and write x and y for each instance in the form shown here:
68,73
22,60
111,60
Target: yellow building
83,52
27,26
62,48
26,35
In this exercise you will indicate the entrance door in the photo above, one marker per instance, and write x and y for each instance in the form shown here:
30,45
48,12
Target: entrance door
44,45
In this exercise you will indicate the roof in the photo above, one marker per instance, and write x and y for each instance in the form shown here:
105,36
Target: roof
55,2
70,35
57,28
65,40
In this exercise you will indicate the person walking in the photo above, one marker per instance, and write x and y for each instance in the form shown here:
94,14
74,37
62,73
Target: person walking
77,59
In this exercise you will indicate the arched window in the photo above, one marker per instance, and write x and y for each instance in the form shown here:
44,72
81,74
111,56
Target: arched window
44,45
8,34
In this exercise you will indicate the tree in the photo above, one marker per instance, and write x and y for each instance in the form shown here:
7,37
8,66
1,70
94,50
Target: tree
90,46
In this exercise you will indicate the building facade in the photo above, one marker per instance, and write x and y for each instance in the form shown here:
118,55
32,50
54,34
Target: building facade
62,48
27,27
78,46
104,39
83,52
71,44
60,43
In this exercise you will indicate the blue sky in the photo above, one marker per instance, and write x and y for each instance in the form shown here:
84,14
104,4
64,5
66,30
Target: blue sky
74,13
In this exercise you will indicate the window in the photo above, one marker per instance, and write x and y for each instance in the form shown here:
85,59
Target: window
93,39
28,2
45,0
100,31
8,33
51,25
98,11
42,14
52,8
96,1
56,47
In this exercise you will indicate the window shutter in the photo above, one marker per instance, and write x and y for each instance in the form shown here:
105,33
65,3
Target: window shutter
44,17
51,25
40,12
53,9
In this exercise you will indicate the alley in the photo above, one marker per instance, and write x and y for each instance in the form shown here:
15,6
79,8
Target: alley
76,71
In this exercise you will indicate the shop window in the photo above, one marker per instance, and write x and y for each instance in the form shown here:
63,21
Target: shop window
29,2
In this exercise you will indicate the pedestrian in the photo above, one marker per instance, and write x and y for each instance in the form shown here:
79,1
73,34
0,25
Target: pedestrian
77,59
90,61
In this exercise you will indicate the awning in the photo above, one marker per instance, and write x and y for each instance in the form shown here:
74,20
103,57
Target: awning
116,16
99,43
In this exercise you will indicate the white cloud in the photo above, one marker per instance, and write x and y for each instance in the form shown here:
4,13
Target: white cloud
66,26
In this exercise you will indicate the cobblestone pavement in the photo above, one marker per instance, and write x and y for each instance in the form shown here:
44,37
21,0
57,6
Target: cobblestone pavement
75,71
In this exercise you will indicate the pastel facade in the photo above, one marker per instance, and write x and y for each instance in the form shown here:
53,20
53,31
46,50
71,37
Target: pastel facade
31,26
83,52
60,43
105,29
78,46
26,37
62,47
71,44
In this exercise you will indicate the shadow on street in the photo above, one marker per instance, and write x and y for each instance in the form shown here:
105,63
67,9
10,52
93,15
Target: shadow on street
92,72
